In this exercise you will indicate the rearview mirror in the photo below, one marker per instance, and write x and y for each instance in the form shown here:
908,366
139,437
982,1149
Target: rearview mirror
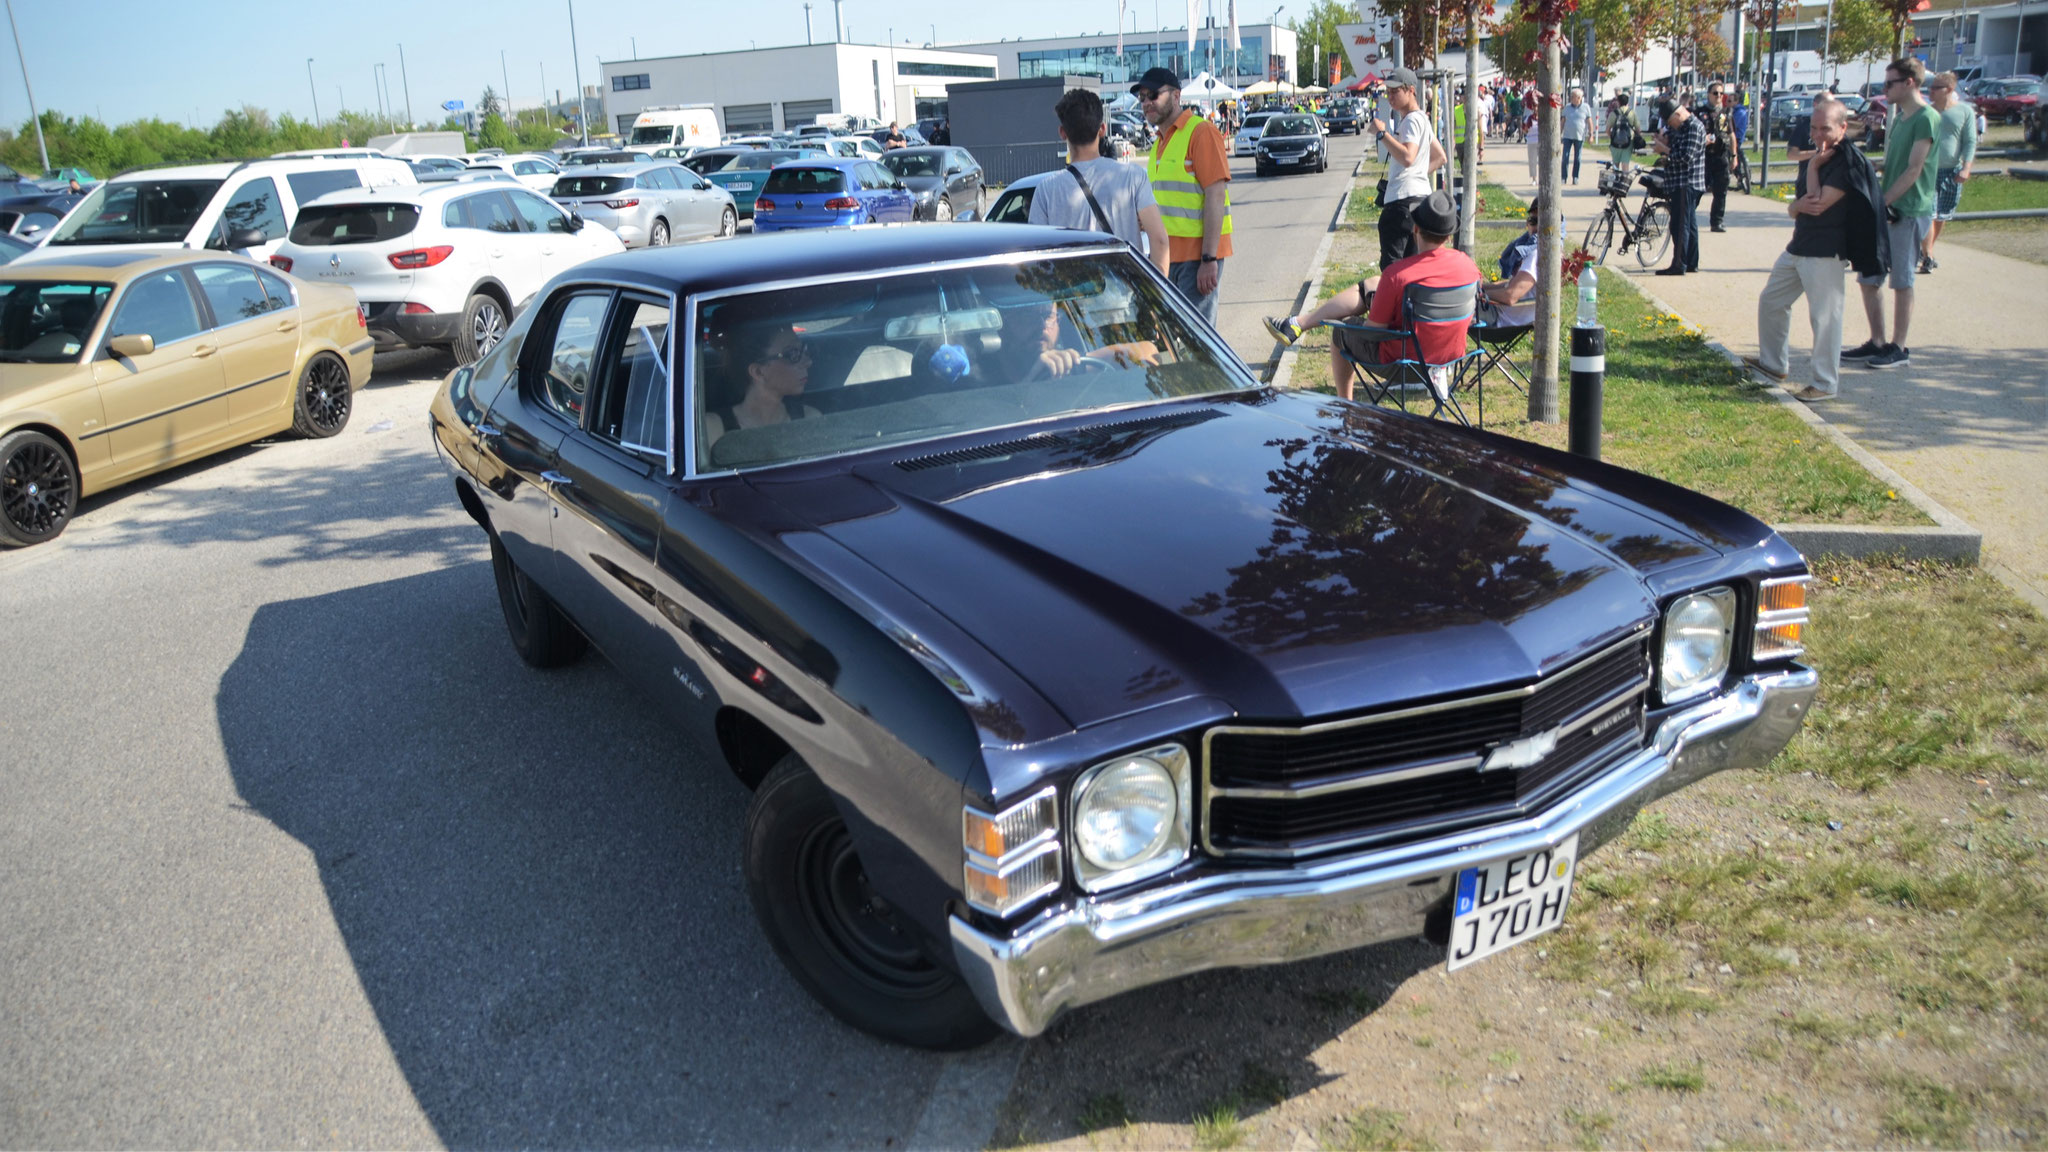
129,347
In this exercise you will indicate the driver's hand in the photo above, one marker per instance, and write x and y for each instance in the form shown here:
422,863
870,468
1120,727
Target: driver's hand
1058,361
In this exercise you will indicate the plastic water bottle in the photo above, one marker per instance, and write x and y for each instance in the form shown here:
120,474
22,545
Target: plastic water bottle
1589,298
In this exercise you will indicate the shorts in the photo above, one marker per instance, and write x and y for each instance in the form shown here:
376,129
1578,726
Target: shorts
1947,190
1907,236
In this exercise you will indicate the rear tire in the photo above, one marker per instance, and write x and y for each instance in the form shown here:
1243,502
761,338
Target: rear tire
324,400
541,635
38,489
483,324
1653,239
657,234
858,957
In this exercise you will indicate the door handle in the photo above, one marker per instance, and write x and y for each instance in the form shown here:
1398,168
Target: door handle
489,430
556,478
287,325
201,351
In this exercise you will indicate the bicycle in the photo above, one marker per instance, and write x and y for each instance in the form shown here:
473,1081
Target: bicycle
1649,232
1738,172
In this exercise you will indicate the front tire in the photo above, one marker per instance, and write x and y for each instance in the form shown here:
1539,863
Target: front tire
325,399
728,223
541,635
38,489
657,234
858,957
944,214
1600,237
483,325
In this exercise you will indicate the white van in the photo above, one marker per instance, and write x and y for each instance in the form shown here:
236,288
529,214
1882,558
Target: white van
673,125
245,207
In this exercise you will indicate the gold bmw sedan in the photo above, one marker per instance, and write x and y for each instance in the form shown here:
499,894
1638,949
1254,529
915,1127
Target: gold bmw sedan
117,364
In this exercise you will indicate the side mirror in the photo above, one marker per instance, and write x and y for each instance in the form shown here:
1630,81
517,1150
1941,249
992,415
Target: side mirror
245,238
899,185
575,222
129,347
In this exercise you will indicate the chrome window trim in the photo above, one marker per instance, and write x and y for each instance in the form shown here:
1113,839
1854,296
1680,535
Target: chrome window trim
620,290
1220,350
1209,789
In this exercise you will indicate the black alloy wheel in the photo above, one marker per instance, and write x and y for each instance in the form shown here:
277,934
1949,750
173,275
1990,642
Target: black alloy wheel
38,488
859,957
325,399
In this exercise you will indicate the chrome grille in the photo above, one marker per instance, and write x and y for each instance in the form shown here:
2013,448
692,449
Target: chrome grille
1387,777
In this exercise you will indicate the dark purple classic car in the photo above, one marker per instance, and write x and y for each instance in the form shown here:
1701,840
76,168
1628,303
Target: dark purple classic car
1062,657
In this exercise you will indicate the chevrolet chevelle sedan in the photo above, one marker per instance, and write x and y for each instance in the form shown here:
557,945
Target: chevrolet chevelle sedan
1064,658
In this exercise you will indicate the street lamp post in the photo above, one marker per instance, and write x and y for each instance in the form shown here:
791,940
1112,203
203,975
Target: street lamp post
582,112
377,89
309,81
505,76
41,148
403,79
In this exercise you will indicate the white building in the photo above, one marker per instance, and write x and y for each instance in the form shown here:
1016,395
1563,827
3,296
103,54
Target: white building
774,89
1265,52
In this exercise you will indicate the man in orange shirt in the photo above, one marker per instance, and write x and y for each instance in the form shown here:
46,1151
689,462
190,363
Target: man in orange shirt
1190,173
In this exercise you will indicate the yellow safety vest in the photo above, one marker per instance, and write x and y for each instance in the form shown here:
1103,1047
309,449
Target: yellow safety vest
1174,186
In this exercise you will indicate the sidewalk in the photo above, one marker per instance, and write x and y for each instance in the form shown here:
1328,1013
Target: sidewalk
1967,422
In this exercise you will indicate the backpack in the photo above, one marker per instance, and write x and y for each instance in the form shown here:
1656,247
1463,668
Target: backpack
1623,134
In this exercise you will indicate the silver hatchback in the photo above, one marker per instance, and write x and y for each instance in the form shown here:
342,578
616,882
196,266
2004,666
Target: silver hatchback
648,204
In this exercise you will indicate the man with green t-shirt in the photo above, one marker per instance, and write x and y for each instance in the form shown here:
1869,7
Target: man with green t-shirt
1909,205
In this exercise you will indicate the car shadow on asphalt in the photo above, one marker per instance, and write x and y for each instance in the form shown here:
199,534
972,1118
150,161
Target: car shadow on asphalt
538,884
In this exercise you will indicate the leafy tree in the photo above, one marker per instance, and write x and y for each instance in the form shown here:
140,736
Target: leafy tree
1317,40
495,134
490,105
1899,14
1860,31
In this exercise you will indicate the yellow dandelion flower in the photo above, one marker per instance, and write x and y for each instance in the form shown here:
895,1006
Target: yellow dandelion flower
1890,495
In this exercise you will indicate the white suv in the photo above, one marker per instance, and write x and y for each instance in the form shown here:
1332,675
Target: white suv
440,264
246,207
536,172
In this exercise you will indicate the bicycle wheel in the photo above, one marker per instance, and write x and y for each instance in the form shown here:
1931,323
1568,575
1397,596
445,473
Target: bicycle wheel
1600,236
1742,175
1653,234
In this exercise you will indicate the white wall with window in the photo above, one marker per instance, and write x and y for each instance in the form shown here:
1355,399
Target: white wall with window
776,89
1264,51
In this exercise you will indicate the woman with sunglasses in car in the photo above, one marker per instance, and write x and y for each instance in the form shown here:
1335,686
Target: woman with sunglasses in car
767,371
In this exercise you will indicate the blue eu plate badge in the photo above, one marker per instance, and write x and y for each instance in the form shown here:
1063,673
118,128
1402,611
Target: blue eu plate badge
1502,903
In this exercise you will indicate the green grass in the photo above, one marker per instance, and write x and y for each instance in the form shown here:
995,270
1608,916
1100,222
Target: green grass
2001,193
1105,1111
1373,1130
1928,1113
1219,1127
1673,1077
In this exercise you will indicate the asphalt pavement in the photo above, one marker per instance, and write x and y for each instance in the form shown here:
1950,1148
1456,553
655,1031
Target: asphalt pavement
295,852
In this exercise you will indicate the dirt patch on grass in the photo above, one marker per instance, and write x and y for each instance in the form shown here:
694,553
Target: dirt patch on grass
1792,957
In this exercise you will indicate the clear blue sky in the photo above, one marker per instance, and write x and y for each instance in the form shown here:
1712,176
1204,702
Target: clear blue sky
122,60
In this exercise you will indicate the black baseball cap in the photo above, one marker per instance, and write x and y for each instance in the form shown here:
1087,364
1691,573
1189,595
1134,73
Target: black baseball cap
1157,79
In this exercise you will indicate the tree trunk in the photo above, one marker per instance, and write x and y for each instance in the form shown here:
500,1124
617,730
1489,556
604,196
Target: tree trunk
1468,152
1549,242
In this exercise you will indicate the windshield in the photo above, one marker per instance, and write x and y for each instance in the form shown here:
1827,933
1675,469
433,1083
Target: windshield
1256,121
137,212
751,161
920,355
324,225
644,134
914,164
1291,126
48,322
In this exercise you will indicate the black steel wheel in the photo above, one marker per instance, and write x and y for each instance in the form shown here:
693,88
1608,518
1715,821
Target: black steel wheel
859,957
325,398
38,488
484,324
543,637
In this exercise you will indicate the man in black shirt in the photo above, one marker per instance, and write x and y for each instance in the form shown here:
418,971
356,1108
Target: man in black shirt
1812,264
1719,120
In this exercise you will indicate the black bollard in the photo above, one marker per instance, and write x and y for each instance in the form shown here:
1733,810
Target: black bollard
1589,375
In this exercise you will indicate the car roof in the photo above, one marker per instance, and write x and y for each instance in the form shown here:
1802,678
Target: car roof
105,264
821,160
919,150
410,193
223,169
866,250
629,168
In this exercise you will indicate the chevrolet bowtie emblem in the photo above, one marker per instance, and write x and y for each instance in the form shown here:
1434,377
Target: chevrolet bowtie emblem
1521,753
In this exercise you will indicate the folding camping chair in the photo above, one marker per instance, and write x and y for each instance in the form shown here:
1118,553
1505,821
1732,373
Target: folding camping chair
1498,344
1421,305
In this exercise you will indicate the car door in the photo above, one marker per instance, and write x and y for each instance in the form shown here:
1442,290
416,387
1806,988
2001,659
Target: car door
511,252
610,493
899,204
524,429
258,341
708,198
545,234
170,403
963,183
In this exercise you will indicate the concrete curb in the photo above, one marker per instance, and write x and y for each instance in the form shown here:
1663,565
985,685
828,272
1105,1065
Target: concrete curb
1951,539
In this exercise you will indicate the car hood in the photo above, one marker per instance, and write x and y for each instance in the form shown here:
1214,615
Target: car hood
1289,557
22,383
923,184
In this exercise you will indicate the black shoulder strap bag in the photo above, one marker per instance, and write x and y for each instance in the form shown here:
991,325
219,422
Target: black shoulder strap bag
1100,217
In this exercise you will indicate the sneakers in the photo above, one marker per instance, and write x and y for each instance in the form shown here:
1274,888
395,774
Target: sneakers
1283,328
1929,264
1757,366
1811,394
1863,351
1893,356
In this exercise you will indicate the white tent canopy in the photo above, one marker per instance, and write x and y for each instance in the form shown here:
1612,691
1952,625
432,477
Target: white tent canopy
1207,89
1271,87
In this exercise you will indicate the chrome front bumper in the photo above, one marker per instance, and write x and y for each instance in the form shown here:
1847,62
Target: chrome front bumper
1079,954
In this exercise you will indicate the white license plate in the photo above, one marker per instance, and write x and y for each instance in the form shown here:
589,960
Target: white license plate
1503,903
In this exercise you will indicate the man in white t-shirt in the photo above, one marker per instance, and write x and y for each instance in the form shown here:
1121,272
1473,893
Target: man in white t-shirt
1412,154
1510,301
1122,191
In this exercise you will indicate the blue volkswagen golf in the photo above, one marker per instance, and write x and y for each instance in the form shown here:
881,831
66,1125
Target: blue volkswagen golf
831,192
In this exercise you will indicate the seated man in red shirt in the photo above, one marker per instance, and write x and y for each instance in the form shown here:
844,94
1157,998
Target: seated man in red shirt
1434,265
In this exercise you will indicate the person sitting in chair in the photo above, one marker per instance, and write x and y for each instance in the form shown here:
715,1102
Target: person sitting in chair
1510,302
1434,265
767,370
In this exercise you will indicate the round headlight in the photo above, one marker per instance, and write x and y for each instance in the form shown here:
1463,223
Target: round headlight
1699,634
1126,814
